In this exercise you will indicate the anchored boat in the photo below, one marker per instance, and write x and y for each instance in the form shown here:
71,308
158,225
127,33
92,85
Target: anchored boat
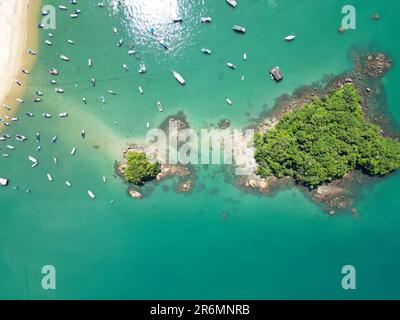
178,77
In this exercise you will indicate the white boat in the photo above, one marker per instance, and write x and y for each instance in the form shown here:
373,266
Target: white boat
70,41
125,67
55,160
178,77
65,58
148,125
83,133
229,101
131,52
48,42
231,65
104,179
164,43
62,7
206,51
142,68
50,177
68,184
20,138
233,3
3,182
290,37
90,62
239,29
59,90
120,42
91,194
141,90
74,15
159,106
205,19
73,151
63,114
32,159
245,56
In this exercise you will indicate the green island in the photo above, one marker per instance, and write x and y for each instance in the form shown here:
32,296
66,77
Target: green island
138,169
324,140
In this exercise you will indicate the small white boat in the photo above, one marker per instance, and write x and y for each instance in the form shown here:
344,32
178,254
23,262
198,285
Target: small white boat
63,114
3,182
62,7
229,101
50,177
125,67
206,51
159,106
131,52
55,160
290,37
115,30
83,134
112,92
70,41
90,62
68,184
91,194
233,3
245,56
239,29
48,42
205,19
142,68
231,65
120,42
20,138
59,90
148,125
164,43
74,15
178,77
141,90
65,58
73,151
104,179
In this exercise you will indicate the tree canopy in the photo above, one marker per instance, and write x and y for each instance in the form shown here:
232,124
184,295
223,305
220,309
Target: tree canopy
324,140
139,169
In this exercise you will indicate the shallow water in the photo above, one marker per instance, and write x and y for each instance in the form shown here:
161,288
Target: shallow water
172,245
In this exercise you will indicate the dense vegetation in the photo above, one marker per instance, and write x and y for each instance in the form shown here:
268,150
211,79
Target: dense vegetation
139,169
324,140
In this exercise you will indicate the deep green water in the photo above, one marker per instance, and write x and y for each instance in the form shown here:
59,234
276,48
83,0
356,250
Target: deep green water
171,245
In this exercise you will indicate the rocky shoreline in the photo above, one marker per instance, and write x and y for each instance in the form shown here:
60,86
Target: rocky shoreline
183,173
337,194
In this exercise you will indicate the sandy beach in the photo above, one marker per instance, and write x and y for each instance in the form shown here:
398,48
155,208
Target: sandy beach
19,32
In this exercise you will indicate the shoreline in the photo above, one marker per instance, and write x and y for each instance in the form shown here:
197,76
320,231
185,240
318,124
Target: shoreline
20,19
369,68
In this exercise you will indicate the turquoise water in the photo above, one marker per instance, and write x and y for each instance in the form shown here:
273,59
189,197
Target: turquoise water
171,245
